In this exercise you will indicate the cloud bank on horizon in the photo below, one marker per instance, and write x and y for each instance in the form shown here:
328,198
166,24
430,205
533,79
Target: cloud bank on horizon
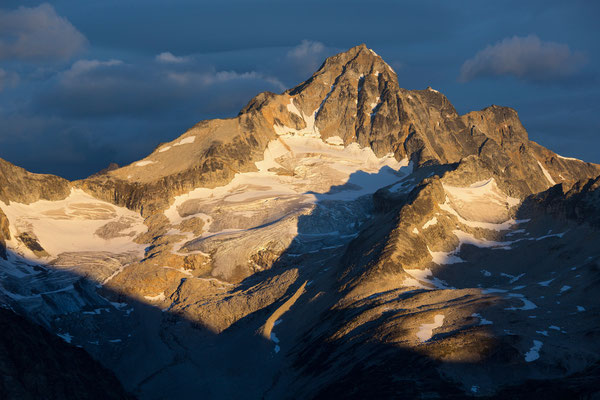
82,86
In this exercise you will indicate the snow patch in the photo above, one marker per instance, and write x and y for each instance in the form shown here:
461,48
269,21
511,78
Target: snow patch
144,163
482,321
158,297
65,336
569,158
187,140
429,223
480,205
547,174
534,352
425,331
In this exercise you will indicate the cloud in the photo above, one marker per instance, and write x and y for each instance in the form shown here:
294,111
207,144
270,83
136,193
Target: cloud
111,88
38,33
8,79
527,58
169,58
307,56
215,77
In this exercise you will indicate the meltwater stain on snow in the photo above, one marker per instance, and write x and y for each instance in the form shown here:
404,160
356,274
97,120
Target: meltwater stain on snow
426,330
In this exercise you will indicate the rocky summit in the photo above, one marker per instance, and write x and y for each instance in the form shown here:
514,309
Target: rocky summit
346,238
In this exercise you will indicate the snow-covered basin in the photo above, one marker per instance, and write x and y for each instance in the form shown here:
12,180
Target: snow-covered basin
72,224
480,205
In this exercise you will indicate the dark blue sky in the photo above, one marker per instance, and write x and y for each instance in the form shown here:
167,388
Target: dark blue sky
85,83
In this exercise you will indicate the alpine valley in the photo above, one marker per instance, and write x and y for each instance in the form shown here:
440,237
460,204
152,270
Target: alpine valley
344,239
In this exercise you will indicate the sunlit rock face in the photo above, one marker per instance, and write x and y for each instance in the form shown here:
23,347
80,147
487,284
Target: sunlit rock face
342,238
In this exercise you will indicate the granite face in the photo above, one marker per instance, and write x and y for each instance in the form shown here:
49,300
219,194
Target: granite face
345,238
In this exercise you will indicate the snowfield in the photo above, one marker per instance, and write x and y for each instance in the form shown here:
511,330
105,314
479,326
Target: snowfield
74,224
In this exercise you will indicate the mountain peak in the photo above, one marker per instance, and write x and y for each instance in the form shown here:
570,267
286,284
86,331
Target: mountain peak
359,59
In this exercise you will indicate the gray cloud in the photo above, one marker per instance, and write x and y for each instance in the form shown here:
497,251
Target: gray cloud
307,56
8,79
527,58
38,33
95,88
168,57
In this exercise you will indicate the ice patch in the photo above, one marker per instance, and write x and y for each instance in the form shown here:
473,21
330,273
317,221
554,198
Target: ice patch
580,308
564,288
